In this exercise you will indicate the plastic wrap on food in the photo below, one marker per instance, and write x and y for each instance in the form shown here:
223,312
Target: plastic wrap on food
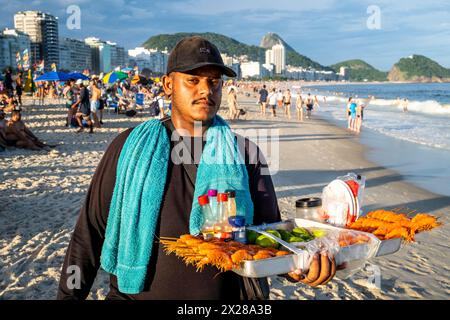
342,200
305,238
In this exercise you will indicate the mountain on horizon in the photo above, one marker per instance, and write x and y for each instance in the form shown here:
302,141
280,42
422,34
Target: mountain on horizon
413,68
418,68
293,58
361,70
233,47
225,44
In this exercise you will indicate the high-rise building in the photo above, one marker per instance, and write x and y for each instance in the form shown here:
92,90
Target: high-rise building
117,55
251,69
279,58
12,42
42,29
151,59
269,57
101,55
344,72
227,60
74,55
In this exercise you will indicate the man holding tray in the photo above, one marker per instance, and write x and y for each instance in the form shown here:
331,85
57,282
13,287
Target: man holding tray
134,183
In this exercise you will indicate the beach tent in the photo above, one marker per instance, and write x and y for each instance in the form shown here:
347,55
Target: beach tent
140,79
77,75
53,76
114,76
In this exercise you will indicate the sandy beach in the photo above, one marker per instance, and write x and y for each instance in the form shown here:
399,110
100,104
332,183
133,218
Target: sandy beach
41,194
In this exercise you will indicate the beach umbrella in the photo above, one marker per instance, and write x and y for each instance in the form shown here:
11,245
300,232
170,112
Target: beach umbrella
77,75
114,76
53,76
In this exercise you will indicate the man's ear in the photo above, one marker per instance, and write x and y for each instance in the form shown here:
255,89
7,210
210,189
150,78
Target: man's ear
167,82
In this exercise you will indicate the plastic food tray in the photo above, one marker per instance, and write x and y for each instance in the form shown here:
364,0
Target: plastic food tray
299,258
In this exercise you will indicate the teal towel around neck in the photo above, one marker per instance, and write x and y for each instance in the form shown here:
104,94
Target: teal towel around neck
139,189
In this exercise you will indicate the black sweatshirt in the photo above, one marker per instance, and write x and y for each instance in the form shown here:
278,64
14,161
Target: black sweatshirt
167,276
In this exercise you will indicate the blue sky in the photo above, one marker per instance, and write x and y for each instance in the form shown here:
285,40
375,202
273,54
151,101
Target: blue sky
327,31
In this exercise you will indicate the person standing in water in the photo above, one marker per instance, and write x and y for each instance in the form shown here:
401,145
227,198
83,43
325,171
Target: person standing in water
309,106
405,105
349,114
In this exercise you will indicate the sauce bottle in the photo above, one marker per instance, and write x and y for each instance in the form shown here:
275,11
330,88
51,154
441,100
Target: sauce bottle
209,221
222,228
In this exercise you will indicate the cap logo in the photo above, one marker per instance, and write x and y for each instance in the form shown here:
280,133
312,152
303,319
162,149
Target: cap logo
205,50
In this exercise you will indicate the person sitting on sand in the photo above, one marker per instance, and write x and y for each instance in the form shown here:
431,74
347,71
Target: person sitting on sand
10,104
18,135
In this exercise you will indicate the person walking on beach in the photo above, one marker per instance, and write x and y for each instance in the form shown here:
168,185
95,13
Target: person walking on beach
309,106
273,101
299,107
41,92
263,94
352,108
70,98
95,102
158,197
348,113
359,114
19,87
232,104
83,108
287,103
316,103
280,99
9,83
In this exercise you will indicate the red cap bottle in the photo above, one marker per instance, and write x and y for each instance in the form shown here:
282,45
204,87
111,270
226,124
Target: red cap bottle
203,200
222,197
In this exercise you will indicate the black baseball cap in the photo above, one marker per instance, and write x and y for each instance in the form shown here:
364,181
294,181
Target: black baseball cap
195,52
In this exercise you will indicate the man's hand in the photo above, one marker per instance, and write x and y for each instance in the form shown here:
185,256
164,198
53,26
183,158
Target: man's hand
321,270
